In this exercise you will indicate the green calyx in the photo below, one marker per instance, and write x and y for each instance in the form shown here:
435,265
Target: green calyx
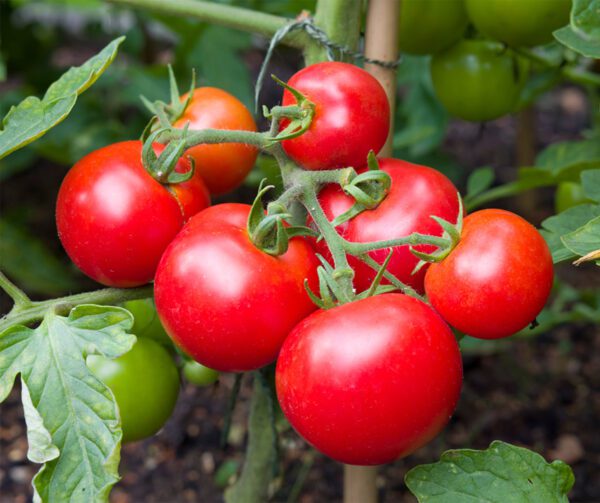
162,167
300,116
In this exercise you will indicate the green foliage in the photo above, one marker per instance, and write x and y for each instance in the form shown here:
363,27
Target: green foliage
33,117
503,473
583,33
480,180
72,421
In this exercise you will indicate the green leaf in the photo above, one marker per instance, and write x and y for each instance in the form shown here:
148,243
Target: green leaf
261,453
578,42
590,181
566,160
480,180
27,260
585,239
583,32
67,409
503,473
33,117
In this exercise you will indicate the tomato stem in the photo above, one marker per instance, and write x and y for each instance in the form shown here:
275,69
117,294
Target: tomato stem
19,297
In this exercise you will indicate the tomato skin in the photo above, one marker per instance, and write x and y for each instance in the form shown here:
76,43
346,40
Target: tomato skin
198,374
222,166
146,322
569,194
497,279
519,23
371,381
476,80
352,116
114,220
226,303
428,26
416,193
145,382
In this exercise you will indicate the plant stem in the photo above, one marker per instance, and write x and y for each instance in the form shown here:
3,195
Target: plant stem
509,189
35,311
18,296
413,239
223,15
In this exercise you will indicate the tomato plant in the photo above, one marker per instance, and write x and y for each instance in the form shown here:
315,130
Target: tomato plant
198,374
569,194
428,26
347,376
223,166
498,278
351,117
522,23
477,80
417,193
226,303
114,220
145,383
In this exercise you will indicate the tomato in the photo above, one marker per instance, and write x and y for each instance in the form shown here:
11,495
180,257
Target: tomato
198,374
497,279
428,26
226,303
352,116
223,166
114,220
371,381
146,322
477,80
569,194
145,383
416,193
519,23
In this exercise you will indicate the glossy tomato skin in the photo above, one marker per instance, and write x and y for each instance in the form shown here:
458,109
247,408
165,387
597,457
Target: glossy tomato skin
371,381
519,23
114,220
146,322
428,26
478,80
199,374
416,193
497,279
352,116
222,166
145,382
226,303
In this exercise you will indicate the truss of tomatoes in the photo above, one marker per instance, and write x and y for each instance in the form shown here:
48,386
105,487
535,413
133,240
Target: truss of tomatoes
365,382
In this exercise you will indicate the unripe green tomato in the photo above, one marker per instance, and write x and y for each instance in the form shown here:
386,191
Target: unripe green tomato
146,322
478,80
145,383
198,374
519,22
428,26
569,194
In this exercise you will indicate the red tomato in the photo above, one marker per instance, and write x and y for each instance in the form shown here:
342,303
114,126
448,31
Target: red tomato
417,192
114,220
226,303
223,166
370,381
352,116
497,279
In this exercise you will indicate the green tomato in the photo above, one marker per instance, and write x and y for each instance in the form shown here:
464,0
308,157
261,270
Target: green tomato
519,22
145,383
569,194
478,80
146,321
198,374
428,26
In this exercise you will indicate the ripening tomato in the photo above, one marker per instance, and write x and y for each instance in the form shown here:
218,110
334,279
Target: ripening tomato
497,279
145,383
199,374
428,26
226,303
114,220
146,322
352,116
478,80
223,166
519,22
417,192
371,381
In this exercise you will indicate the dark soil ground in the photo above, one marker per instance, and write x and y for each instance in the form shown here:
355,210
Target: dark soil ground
542,393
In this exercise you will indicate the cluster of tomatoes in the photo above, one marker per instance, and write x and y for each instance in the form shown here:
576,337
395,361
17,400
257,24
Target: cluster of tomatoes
366,381
478,78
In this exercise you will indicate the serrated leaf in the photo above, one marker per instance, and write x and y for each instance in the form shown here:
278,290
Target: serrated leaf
578,42
566,160
585,239
481,179
75,412
503,473
33,117
583,33
590,181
